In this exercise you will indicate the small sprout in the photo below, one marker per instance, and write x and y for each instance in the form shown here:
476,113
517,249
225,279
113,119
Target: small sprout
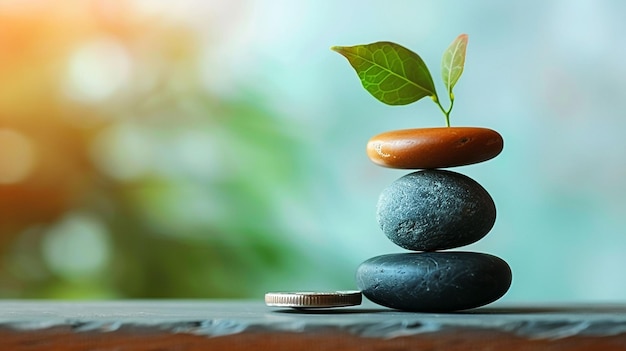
396,75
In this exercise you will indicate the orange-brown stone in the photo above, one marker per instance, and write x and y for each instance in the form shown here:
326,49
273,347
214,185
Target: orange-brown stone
427,148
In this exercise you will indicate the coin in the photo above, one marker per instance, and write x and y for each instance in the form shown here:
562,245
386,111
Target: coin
305,299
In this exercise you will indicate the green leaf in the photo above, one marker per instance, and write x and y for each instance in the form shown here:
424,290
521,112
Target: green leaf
392,73
453,62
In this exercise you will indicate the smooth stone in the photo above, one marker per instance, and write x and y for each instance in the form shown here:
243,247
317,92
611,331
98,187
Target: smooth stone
435,210
427,148
434,281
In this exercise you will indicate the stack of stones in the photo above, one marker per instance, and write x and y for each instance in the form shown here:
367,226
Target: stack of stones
432,210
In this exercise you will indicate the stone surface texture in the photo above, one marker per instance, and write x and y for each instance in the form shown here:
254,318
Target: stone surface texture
434,281
435,210
428,148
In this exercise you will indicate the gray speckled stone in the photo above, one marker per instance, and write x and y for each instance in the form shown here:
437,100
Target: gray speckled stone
435,210
434,281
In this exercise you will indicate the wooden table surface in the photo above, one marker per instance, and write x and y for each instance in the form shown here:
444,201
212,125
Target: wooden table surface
250,325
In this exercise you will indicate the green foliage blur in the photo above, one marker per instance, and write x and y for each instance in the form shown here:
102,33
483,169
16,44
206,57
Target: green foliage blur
121,176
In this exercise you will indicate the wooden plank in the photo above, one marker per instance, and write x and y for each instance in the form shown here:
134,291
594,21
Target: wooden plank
245,325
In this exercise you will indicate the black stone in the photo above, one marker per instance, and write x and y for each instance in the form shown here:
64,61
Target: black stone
435,210
434,281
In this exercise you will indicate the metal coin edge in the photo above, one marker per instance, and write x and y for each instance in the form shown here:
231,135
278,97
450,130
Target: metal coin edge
305,299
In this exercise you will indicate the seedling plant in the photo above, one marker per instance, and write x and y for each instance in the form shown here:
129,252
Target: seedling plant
396,75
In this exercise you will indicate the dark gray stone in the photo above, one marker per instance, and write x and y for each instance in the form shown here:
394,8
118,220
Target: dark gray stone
434,281
435,210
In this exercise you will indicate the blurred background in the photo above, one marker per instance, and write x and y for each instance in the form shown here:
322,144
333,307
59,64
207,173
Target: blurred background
215,149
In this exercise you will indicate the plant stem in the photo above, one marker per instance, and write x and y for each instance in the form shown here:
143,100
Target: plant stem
450,109
445,113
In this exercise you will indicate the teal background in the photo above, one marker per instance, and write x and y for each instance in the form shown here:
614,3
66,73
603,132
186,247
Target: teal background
217,148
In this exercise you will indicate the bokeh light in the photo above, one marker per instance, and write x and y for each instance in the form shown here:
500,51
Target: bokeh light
97,70
17,157
76,247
